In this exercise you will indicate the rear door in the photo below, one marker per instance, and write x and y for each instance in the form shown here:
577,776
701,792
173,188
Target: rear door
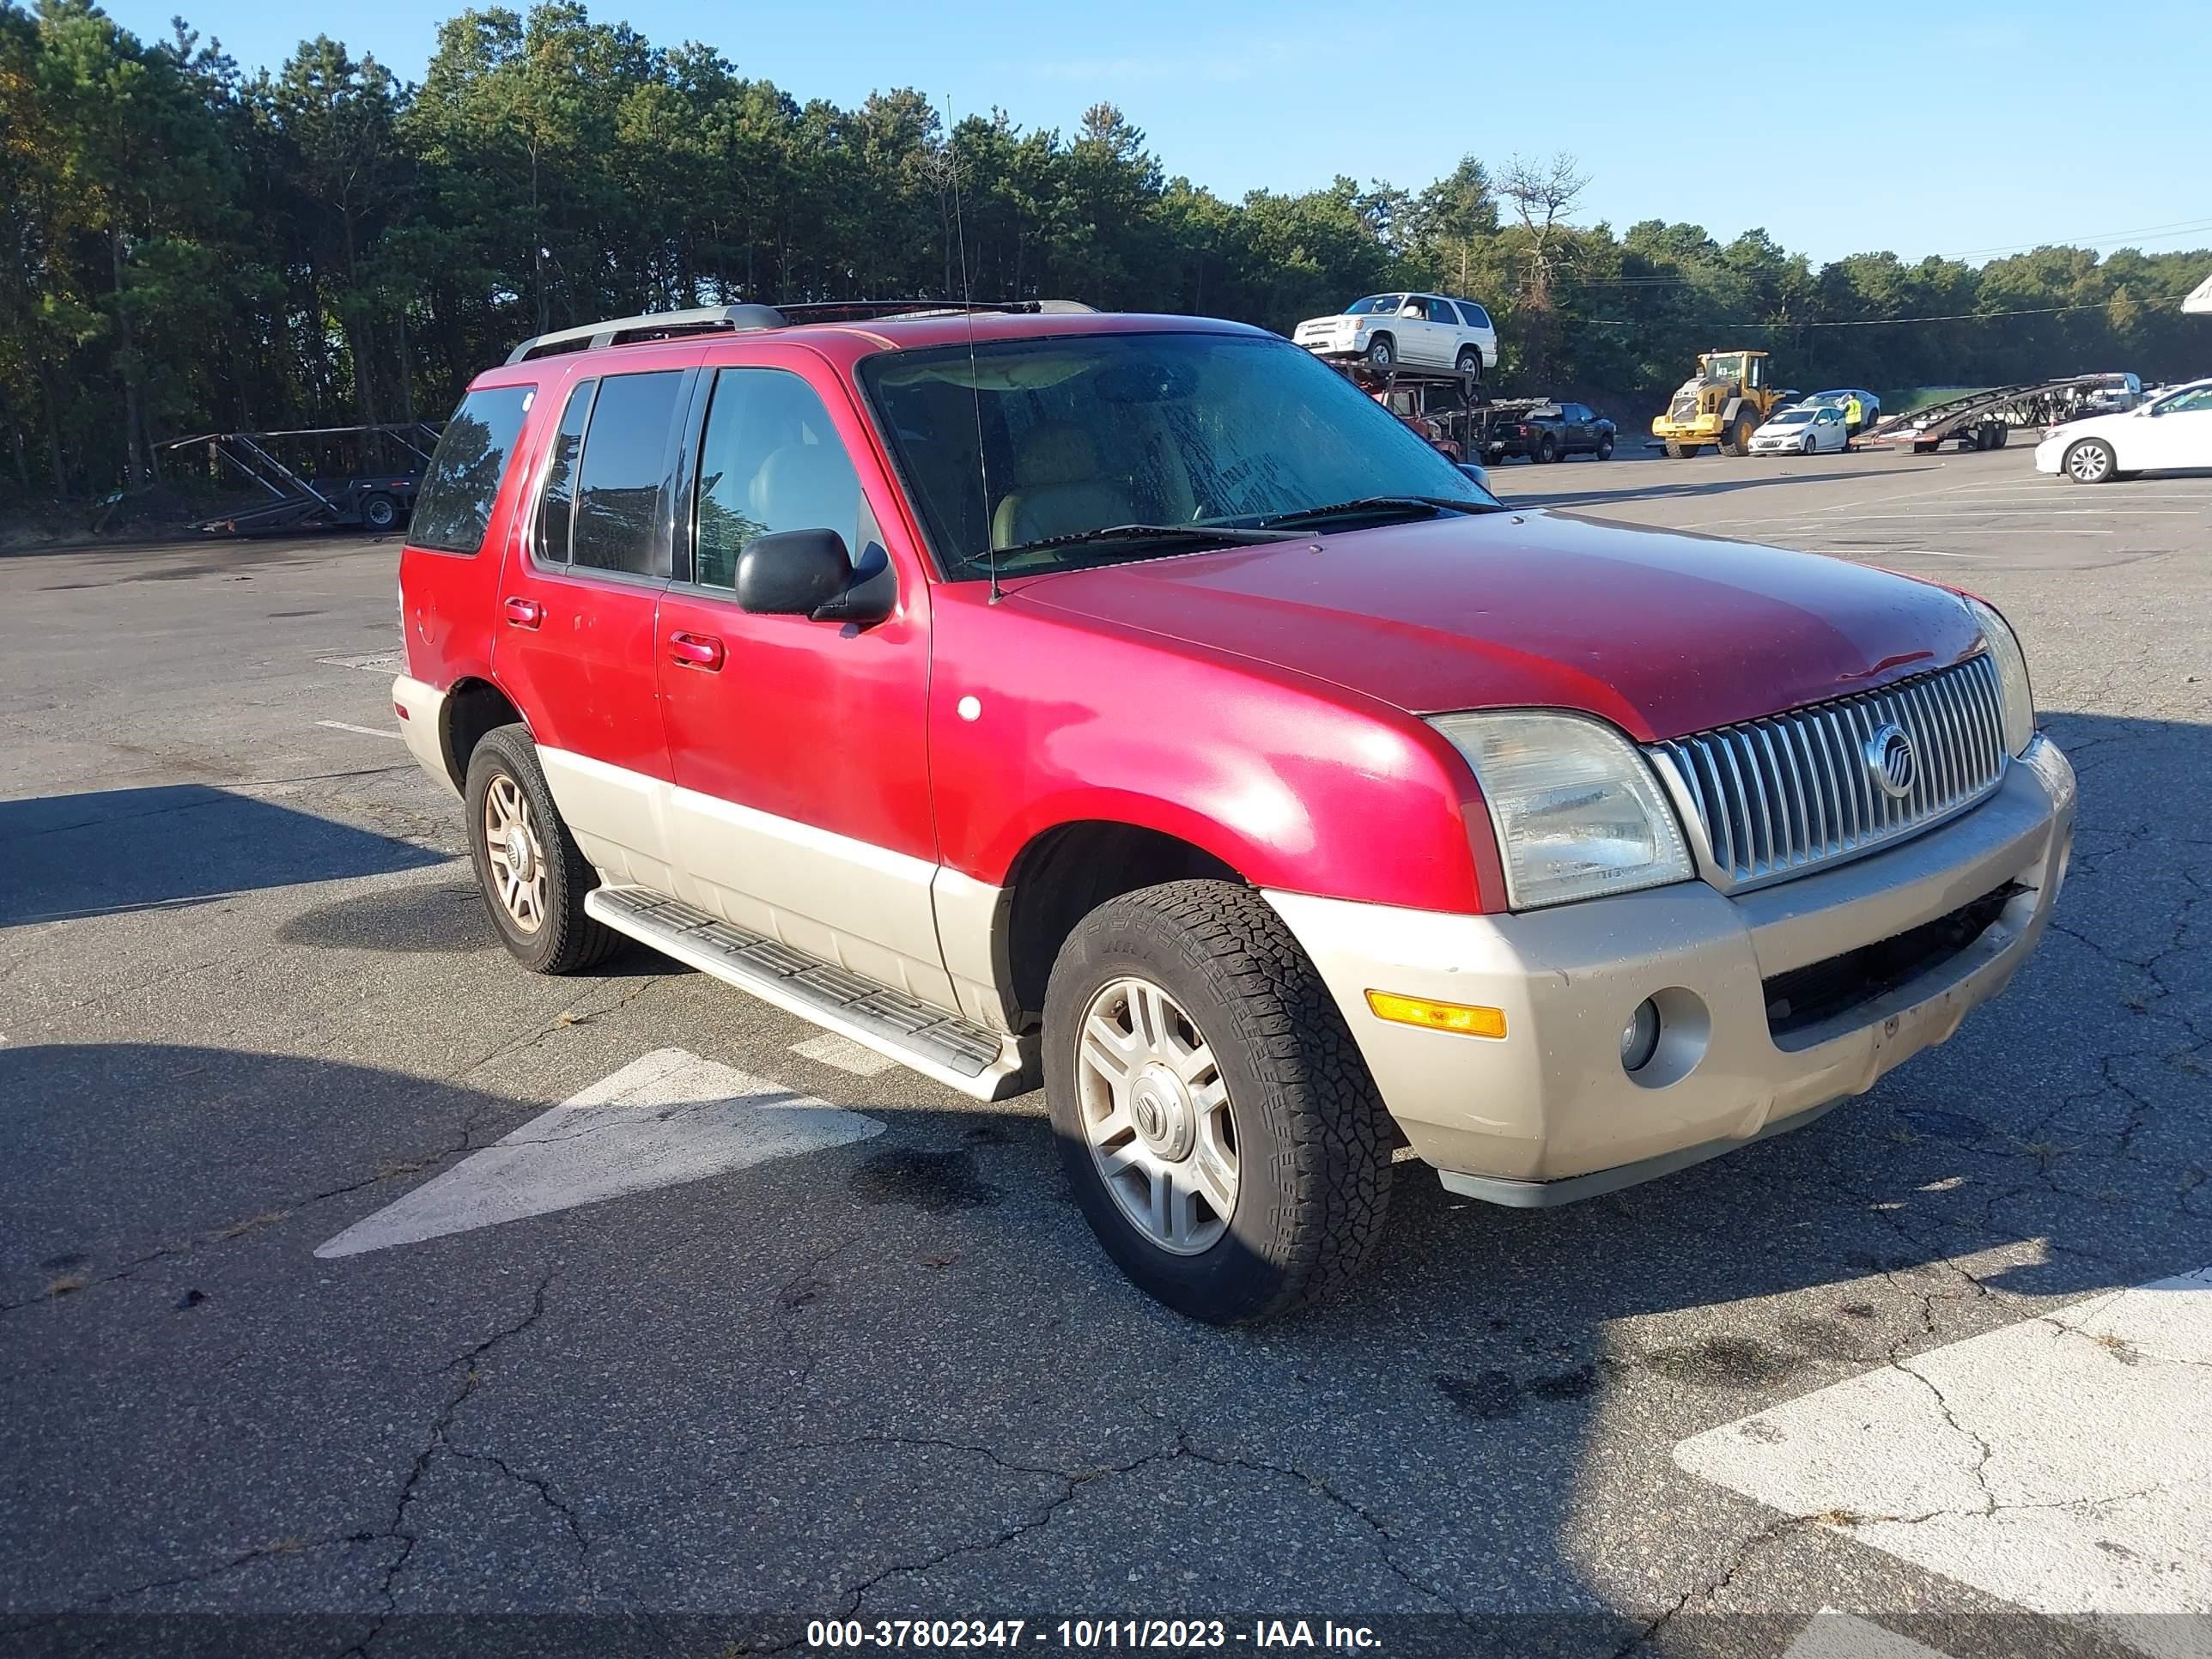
797,748
576,642
2177,432
1443,330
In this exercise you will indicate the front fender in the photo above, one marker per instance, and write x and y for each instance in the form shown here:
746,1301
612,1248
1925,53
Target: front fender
1037,719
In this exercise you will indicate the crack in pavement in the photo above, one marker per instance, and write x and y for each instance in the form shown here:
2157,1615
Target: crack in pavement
1075,1482
439,1441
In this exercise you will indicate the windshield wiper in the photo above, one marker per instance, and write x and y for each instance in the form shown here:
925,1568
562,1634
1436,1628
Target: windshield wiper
1218,535
1431,504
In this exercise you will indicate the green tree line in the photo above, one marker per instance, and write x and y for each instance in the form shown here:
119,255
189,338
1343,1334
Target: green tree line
185,246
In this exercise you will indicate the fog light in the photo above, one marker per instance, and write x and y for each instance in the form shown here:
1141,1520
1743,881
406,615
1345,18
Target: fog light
1640,1038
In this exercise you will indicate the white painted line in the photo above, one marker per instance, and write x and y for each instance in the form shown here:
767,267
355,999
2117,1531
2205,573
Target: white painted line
363,730
1938,553
833,1049
667,1118
2063,1463
1833,1635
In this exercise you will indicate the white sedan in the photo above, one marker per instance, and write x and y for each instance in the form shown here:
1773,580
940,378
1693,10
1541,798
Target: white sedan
1802,429
2174,429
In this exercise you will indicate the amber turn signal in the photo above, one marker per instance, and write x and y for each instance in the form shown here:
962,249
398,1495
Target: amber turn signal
1437,1016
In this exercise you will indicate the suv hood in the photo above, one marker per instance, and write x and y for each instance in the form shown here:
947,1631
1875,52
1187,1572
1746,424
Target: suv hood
1662,634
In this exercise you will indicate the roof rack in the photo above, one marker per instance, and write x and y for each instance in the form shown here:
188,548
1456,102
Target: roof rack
672,324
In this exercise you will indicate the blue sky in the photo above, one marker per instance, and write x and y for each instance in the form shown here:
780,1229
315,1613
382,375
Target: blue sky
1938,127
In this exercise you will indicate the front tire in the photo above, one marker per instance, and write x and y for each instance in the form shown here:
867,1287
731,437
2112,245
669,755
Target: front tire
1738,442
1680,452
1215,1119
2090,461
532,876
1382,356
1605,447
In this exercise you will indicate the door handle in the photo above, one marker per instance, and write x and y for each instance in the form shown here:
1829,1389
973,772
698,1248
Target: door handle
695,651
525,613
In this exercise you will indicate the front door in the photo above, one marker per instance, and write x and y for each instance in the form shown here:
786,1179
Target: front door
576,643
801,808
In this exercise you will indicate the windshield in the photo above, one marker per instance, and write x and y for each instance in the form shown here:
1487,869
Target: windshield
1727,367
1088,433
1791,417
1374,305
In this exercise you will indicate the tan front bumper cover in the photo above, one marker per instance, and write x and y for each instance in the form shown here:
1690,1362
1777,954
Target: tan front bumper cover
1549,1114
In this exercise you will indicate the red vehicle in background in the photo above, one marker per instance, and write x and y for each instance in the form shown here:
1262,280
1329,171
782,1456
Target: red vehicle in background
1129,706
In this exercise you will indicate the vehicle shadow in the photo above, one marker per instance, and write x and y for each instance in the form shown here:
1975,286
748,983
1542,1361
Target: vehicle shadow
897,1377
109,851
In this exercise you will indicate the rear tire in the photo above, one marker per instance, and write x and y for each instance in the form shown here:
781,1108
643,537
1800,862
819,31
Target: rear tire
2090,461
1547,450
532,876
1195,1063
1470,366
379,510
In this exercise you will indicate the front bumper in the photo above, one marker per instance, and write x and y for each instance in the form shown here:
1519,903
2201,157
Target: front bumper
1547,1115
2050,453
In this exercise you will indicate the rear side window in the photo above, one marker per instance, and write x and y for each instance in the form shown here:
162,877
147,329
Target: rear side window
556,502
1475,315
452,510
618,487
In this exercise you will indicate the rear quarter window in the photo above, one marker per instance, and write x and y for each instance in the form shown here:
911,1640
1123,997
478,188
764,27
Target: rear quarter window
453,509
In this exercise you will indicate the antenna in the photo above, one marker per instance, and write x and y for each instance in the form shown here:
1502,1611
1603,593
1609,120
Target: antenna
975,386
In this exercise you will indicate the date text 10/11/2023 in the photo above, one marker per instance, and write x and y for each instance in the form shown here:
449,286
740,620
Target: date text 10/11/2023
1162,1635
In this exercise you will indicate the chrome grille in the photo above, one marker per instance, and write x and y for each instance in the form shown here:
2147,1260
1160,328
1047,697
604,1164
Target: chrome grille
1682,411
1776,797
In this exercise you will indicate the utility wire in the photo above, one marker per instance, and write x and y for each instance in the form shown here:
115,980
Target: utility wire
1882,322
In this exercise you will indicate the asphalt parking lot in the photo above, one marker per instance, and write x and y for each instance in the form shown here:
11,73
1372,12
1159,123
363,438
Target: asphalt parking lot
249,1002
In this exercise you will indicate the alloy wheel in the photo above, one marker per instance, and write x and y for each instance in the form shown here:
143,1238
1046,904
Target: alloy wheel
1155,1113
517,856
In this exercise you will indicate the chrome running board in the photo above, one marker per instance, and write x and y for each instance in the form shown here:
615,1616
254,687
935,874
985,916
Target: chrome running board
953,1051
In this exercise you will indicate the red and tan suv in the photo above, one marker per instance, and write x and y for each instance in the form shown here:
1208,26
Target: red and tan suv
1128,705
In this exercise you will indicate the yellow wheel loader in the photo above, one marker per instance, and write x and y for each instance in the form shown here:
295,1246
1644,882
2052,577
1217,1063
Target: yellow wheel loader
1724,402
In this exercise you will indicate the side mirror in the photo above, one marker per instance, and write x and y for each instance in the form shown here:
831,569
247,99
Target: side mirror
808,572
1480,474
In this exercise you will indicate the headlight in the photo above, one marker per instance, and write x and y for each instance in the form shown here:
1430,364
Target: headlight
1577,809
2012,675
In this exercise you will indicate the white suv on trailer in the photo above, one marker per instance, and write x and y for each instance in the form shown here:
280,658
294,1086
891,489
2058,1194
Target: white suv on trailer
1423,331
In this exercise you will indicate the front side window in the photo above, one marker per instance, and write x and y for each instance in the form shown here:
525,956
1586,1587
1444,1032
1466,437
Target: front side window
619,482
2188,402
770,461
1165,435
452,510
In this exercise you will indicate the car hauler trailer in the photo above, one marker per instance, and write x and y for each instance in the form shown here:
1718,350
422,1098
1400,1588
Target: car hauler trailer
302,493
1985,420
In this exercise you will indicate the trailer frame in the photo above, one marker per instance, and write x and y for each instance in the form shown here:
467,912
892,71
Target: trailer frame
376,500
1985,419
